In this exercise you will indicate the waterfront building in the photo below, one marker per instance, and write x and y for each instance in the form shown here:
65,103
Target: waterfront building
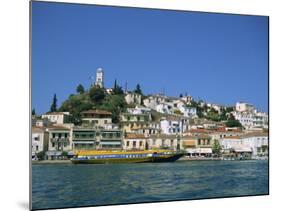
83,138
57,117
131,122
200,145
39,140
59,140
100,78
163,141
133,98
109,139
94,138
133,141
253,143
97,118
258,142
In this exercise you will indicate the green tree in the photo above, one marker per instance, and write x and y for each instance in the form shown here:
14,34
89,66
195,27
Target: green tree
75,104
117,90
138,90
223,115
54,104
33,111
40,155
97,94
216,148
229,109
80,89
233,123
115,104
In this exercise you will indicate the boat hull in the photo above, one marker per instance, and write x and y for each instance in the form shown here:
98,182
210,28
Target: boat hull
156,159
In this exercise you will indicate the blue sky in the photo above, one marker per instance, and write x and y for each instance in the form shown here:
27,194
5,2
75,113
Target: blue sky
215,57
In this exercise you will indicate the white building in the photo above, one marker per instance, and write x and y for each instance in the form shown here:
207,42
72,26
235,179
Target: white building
153,100
139,110
99,78
57,117
173,125
251,120
163,108
255,143
244,107
39,141
133,98
190,112
260,120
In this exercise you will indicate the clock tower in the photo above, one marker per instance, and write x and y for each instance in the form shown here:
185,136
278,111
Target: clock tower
100,78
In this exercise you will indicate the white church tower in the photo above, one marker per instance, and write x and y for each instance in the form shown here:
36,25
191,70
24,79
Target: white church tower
100,77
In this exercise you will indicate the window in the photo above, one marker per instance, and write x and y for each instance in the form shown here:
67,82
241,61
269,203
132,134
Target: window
53,135
134,143
53,144
105,121
36,138
140,143
37,148
64,144
154,141
128,143
163,142
172,142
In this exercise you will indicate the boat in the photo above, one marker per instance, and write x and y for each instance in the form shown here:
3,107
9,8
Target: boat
145,156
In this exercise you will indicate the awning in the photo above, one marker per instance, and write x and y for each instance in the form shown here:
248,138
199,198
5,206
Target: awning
83,142
110,143
200,150
53,153
243,149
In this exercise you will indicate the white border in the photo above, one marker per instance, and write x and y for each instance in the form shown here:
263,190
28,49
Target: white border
14,62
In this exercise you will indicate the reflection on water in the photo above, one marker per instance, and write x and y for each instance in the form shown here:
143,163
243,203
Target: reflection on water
66,185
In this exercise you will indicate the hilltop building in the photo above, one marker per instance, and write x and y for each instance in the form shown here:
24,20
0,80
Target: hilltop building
99,78
99,118
57,117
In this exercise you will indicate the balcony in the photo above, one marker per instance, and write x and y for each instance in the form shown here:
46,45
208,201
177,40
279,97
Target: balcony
62,139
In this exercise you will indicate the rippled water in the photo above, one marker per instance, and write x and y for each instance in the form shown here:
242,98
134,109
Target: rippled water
67,185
